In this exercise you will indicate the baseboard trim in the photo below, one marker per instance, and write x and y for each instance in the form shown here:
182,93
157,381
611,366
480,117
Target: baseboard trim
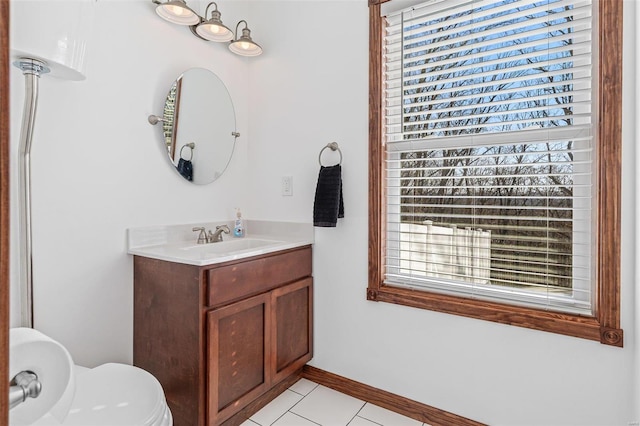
407,407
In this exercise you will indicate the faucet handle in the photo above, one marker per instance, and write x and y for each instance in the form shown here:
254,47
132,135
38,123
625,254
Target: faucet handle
224,228
202,236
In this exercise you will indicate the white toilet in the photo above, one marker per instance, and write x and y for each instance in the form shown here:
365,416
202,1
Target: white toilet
107,395
115,395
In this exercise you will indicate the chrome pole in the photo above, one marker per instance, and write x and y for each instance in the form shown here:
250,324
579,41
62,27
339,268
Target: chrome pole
32,69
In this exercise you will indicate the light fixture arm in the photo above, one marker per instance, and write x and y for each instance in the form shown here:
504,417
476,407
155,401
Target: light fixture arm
206,11
246,27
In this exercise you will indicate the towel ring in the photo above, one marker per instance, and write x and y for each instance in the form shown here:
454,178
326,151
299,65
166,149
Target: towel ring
190,145
333,146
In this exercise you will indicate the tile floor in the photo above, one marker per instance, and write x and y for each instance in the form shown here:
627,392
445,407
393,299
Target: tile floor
307,403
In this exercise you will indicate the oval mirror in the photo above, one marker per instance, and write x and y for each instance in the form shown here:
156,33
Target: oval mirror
199,126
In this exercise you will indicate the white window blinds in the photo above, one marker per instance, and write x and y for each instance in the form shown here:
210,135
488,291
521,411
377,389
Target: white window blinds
488,138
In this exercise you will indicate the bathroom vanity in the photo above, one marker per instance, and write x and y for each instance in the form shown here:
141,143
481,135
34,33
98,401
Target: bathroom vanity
225,333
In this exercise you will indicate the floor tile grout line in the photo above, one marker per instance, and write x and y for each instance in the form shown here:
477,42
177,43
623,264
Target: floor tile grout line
303,417
281,416
366,418
373,421
303,395
289,409
301,399
369,420
361,408
356,415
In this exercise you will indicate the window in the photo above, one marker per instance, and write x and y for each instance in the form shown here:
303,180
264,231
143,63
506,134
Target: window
490,148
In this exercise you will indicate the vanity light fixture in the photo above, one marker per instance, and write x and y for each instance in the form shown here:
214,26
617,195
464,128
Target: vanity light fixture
244,45
177,12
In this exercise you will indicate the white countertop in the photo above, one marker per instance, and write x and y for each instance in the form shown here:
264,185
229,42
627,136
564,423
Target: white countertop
177,243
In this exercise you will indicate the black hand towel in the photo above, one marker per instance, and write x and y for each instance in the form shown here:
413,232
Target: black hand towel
185,168
328,205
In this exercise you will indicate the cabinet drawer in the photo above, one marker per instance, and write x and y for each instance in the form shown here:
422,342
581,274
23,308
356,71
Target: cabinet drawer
234,282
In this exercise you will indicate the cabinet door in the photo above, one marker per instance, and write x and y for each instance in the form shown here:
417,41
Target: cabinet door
238,355
292,316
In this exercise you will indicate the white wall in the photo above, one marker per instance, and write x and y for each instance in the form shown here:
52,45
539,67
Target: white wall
310,88
99,168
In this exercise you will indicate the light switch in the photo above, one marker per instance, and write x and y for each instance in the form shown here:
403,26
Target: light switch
287,185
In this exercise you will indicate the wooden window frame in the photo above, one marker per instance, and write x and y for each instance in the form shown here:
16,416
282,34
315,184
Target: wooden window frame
604,326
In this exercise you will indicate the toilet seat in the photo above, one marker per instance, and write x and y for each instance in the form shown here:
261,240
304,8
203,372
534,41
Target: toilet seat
116,395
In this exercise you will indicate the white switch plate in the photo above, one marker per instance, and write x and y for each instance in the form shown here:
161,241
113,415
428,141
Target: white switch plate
287,185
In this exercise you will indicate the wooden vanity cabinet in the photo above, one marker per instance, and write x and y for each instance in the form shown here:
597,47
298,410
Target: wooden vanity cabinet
218,337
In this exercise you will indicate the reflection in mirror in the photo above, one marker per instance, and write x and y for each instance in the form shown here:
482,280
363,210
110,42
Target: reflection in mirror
199,126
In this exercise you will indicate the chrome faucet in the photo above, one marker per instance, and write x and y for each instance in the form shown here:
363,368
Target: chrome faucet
216,237
211,237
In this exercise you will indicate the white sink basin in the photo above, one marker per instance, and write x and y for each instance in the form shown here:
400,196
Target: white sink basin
229,247
177,243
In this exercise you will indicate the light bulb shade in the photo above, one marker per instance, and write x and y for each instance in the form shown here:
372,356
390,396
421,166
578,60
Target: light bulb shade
214,32
177,12
214,29
245,46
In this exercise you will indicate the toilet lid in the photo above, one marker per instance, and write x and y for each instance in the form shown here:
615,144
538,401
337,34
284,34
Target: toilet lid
117,394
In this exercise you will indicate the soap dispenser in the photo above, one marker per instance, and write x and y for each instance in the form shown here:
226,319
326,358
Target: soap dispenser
238,228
